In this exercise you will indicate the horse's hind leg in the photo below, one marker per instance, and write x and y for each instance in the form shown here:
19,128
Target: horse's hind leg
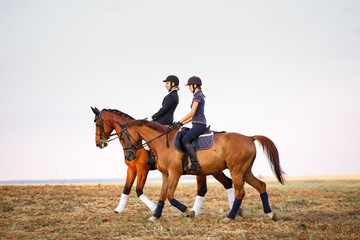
260,186
239,195
130,177
201,191
228,185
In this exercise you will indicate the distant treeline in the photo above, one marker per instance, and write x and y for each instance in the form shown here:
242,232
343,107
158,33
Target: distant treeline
79,181
62,181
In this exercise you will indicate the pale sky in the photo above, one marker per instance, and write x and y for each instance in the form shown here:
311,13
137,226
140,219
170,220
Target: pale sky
289,70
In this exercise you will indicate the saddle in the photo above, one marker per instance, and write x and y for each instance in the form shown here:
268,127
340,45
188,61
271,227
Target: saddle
203,142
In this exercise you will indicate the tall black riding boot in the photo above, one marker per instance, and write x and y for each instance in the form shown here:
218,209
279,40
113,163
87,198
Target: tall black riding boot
151,160
194,163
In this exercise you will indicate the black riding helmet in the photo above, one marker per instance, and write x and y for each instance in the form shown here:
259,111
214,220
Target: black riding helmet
173,79
194,80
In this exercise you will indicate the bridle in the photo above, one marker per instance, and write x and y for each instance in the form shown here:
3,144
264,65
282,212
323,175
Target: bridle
128,136
104,137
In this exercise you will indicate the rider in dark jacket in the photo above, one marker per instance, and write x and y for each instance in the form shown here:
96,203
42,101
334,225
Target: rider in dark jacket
165,115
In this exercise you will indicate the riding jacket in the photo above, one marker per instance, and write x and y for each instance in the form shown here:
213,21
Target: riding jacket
165,115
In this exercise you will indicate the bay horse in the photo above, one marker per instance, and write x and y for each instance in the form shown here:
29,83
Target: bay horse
229,150
105,121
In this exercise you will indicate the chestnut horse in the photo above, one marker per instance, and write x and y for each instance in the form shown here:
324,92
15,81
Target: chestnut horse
105,124
229,150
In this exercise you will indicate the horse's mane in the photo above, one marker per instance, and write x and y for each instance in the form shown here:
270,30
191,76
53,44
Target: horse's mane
153,125
122,114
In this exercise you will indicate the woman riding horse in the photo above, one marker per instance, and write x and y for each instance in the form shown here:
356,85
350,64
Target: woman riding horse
165,115
197,117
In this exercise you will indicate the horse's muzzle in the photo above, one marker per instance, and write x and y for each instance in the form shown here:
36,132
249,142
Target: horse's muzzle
101,144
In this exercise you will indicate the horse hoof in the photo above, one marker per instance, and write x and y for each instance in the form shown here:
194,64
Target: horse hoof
240,212
152,219
118,211
192,214
226,220
272,216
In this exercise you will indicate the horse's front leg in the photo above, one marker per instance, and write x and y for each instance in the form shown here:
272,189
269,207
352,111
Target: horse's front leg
173,182
161,202
130,177
141,179
228,185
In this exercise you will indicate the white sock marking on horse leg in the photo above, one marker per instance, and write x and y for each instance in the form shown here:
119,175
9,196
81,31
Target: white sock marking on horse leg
231,197
197,204
150,204
122,203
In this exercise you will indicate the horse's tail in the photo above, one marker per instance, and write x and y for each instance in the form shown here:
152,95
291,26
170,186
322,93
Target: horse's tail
273,156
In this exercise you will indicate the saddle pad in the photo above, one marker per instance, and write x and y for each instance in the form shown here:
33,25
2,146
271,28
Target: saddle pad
203,142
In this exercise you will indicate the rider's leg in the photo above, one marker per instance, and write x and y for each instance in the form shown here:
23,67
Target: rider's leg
191,151
193,133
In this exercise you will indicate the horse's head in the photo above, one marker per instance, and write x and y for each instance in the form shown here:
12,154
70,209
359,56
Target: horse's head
130,141
103,129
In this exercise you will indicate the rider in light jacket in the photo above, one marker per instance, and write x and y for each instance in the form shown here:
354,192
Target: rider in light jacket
197,117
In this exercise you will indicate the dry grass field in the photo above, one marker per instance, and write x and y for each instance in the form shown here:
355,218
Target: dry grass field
306,209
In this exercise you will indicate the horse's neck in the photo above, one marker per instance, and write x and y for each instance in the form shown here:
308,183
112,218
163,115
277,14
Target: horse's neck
113,117
148,133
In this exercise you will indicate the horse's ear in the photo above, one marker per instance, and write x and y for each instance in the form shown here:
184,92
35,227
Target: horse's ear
95,111
121,125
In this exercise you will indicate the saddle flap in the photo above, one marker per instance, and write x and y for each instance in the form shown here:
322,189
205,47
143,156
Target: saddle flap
203,142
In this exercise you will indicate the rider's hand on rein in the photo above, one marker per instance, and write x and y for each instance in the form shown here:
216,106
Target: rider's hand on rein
175,125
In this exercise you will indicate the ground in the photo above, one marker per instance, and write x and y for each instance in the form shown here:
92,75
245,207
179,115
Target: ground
306,209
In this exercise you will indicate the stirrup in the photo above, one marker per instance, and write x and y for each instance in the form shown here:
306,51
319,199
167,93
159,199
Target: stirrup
193,168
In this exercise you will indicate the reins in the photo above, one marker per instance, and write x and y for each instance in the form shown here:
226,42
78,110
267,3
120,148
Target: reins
118,135
124,129
110,136
167,139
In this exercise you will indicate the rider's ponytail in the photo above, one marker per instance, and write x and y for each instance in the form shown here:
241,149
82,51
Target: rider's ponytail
201,91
